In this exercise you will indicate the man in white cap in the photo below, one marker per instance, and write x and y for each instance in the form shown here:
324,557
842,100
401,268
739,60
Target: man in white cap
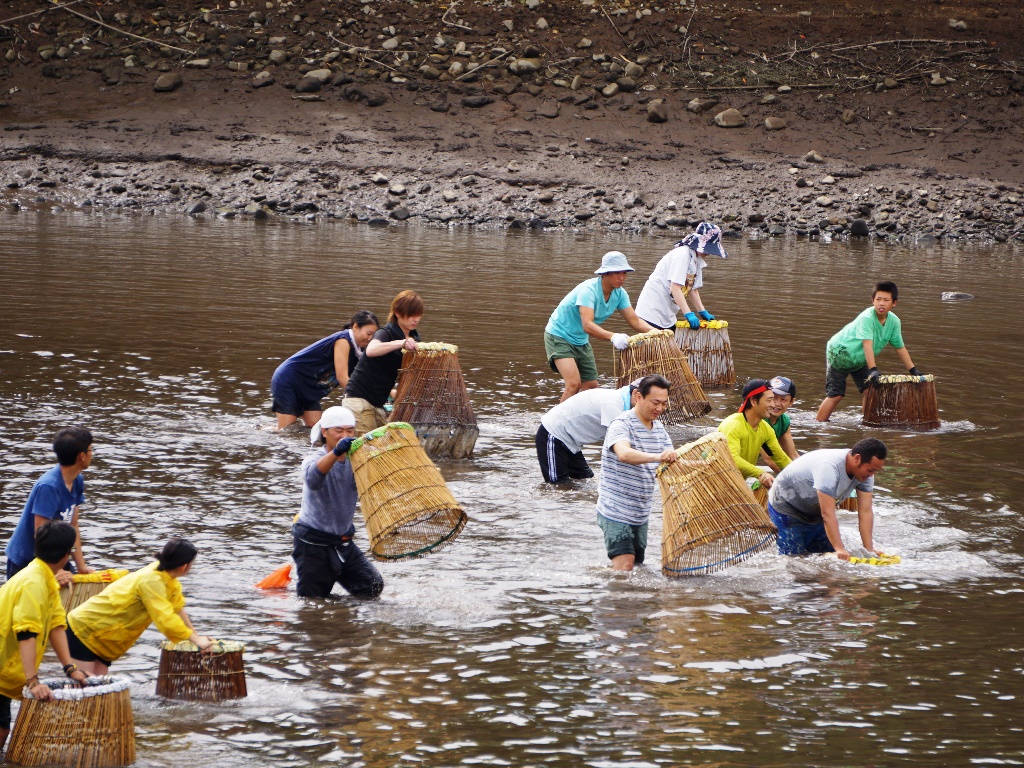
678,278
324,551
579,421
579,316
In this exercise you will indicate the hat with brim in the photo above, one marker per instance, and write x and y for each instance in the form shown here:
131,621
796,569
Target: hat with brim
335,416
706,239
613,261
780,385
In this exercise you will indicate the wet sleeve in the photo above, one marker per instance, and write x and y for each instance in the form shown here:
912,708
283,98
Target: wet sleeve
45,502
161,610
896,339
736,449
29,609
312,476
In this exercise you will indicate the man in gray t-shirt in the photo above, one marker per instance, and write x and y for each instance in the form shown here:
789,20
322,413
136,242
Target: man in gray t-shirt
580,420
802,501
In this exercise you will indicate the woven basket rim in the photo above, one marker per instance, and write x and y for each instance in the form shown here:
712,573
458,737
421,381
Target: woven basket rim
636,338
378,433
705,325
435,347
710,437
65,689
905,378
218,646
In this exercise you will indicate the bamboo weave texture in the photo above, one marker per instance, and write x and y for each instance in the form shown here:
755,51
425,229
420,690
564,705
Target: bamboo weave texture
88,732
903,402
655,352
431,395
711,518
708,352
408,509
191,675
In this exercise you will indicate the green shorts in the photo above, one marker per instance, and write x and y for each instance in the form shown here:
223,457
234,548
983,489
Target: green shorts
623,539
557,348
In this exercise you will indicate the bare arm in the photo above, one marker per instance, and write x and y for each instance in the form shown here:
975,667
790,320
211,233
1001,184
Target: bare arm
592,328
698,305
78,554
631,317
828,514
627,454
59,642
904,357
341,353
866,520
201,641
30,665
869,353
679,296
377,348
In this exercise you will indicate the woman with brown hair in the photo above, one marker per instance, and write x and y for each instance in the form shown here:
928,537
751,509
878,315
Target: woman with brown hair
377,370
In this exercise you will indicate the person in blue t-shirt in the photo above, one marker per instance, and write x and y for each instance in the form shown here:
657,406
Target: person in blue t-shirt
57,495
579,316
301,381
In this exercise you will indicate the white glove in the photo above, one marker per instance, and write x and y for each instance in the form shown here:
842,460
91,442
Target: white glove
620,341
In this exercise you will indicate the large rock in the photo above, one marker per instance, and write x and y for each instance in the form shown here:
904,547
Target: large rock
167,82
730,118
320,75
657,112
277,57
549,109
859,228
626,84
524,66
634,70
956,296
308,85
774,123
477,101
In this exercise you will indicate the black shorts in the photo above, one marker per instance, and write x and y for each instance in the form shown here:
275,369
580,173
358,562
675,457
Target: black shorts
557,462
5,713
835,381
294,394
78,650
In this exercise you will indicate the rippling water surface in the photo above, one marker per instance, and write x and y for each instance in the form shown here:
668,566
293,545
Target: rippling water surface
517,646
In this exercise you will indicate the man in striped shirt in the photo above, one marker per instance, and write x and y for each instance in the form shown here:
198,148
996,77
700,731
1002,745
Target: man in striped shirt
635,444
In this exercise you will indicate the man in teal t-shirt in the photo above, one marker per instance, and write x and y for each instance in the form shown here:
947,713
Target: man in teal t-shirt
852,351
579,316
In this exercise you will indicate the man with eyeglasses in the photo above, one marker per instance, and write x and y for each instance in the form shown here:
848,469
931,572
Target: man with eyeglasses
57,495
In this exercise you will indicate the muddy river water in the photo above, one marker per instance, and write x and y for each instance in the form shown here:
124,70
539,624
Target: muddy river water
517,646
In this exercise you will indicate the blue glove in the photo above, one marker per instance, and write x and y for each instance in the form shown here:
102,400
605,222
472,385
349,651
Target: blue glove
706,315
343,445
692,320
873,377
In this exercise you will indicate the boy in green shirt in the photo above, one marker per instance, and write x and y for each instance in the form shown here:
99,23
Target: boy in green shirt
852,351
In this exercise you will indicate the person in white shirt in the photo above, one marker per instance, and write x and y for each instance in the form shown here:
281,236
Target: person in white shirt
573,423
676,280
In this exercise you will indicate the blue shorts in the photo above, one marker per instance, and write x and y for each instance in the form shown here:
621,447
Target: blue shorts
796,538
293,394
623,539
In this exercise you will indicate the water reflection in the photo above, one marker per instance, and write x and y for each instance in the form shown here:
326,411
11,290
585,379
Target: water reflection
517,646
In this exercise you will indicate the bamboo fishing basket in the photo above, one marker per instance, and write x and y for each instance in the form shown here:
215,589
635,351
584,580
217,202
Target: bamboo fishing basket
654,352
408,509
86,585
761,494
85,726
431,395
903,402
711,518
708,351
188,674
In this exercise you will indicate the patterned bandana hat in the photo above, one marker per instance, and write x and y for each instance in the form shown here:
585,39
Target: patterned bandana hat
706,239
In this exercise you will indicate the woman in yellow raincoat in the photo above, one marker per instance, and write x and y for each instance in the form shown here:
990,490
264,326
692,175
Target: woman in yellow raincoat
104,627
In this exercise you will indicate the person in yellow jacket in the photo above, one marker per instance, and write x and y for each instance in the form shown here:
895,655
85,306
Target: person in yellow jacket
30,614
749,430
103,628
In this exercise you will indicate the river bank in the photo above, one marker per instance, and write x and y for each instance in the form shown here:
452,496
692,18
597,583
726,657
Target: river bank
891,120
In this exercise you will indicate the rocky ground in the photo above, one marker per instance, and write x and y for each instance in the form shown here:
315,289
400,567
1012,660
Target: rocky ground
896,119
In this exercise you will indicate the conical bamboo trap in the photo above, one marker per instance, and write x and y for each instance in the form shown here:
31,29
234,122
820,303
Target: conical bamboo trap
708,352
189,674
88,726
903,402
711,518
761,494
86,585
431,395
407,507
655,352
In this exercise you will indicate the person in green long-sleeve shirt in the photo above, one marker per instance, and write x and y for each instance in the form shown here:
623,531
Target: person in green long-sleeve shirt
748,430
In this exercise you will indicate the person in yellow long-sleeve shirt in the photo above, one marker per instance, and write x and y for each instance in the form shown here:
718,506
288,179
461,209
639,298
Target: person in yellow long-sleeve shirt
103,628
31,614
748,431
